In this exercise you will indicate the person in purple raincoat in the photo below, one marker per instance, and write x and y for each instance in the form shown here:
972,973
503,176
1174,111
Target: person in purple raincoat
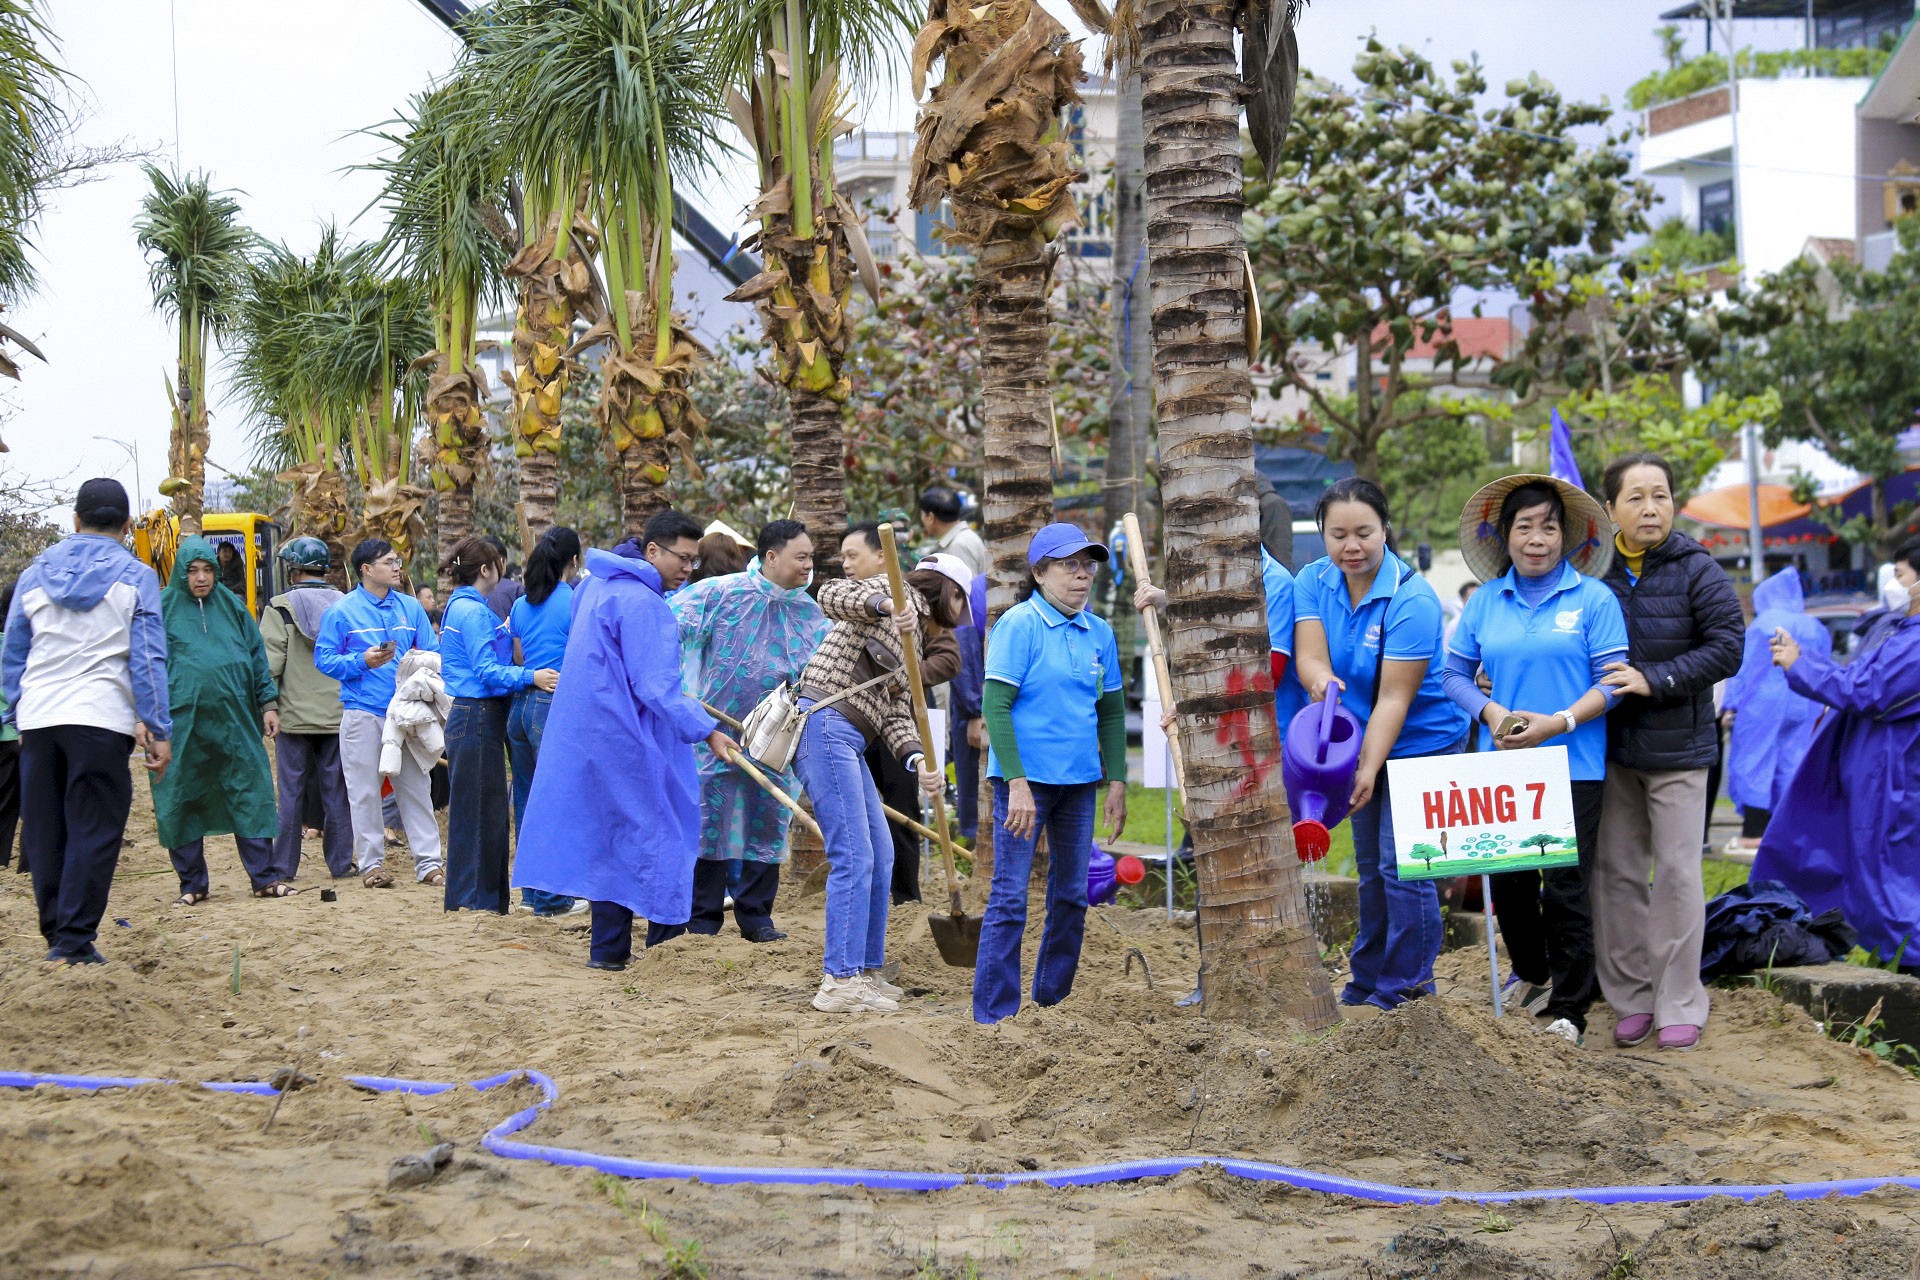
1769,725
615,819
1846,832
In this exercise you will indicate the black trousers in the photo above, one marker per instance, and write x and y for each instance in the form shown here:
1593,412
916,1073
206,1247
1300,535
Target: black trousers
256,855
1753,822
479,807
1546,918
9,801
75,790
612,938
309,768
752,905
900,791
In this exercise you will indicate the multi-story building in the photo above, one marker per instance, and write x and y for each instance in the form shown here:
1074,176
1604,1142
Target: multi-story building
1799,146
875,169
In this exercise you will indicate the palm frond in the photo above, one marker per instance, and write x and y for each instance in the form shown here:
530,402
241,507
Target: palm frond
865,39
196,247
33,119
445,192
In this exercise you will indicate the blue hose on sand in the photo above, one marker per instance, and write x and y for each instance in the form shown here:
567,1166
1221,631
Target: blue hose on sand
500,1142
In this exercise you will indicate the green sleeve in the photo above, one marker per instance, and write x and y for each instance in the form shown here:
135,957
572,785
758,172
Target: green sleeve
1113,735
996,706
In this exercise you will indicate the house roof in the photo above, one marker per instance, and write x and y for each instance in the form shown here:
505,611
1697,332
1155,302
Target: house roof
1895,92
1830,248
1479,337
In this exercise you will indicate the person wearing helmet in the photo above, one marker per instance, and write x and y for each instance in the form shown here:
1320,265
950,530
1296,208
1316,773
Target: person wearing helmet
307,752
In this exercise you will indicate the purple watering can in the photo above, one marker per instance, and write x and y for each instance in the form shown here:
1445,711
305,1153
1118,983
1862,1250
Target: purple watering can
1105,875
1317,763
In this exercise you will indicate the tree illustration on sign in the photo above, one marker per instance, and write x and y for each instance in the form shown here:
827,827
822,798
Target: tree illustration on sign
1427,853
1540,841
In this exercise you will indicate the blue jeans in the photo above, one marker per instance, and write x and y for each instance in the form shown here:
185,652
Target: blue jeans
1065,813
526,726
478,839
1400,931
832,766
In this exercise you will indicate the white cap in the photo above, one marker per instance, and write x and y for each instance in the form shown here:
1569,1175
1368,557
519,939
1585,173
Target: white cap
954,569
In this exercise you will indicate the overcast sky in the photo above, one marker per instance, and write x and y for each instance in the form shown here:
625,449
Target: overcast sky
270,96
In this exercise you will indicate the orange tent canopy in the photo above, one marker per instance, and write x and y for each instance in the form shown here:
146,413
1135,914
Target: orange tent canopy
1726,508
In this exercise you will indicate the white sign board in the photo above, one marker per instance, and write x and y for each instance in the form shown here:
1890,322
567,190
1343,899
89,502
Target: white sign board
1482,813
937,726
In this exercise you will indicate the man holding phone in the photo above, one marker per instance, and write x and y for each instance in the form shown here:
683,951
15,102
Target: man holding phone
362,638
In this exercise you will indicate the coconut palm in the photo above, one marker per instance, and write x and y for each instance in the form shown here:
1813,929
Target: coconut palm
791,65
1260,945
196,253
362,351
293,431
989,145
619,96
444,196
32,120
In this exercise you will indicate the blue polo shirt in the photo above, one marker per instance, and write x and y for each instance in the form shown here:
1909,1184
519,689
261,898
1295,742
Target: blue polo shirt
1542,659
542,628
1401,611
1060,666
1291,695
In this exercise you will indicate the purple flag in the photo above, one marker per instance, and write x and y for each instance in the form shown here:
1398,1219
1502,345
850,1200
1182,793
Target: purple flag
1560,462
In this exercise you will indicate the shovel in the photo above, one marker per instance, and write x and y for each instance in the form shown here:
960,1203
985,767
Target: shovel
957,934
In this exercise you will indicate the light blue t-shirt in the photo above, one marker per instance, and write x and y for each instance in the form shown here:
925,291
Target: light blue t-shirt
1401,611
1289,695
1542,659
1060,666
542,628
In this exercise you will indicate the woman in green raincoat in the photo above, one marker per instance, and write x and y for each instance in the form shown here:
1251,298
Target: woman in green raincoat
222,701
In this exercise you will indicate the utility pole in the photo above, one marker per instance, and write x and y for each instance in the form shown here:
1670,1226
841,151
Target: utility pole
1721,11
1130,387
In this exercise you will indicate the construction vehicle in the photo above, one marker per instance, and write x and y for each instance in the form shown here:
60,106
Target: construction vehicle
254,572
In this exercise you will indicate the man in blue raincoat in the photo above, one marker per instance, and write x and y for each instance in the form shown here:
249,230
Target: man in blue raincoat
617,819
1771,724
1846,833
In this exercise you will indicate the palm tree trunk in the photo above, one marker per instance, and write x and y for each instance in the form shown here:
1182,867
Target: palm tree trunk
1016,394
1260,952
646,417
458,423
819,472
551,292
190,437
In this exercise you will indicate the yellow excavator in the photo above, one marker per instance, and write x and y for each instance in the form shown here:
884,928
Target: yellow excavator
251,570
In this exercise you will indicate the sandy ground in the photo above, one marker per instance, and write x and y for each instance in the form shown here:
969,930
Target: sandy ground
707,1051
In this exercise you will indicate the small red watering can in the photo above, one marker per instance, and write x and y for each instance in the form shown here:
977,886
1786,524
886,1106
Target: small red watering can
1317,764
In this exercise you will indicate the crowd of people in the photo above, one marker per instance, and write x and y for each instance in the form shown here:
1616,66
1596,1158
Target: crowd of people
579,716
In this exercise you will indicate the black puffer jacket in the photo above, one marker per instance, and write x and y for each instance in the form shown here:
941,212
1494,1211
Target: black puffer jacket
1684,633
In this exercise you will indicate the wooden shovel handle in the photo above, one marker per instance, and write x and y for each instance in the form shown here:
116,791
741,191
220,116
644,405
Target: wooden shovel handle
1156,647
910,649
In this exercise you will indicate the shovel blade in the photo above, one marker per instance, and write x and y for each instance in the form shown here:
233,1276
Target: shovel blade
958,937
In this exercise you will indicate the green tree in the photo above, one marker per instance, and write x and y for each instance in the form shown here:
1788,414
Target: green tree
196,251
445,194
1541,842
1427,853
1845,364
32,128
1392,200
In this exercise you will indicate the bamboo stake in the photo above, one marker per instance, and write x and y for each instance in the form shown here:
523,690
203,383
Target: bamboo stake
1137,561
911,649
738,759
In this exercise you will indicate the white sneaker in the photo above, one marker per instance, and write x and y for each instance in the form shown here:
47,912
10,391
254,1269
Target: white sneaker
580,907
884,987
851,995
1565,1029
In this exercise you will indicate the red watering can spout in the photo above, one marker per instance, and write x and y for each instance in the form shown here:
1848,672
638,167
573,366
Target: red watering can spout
1317,763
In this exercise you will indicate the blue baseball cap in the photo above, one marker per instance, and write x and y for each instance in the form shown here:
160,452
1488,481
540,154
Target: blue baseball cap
1061,539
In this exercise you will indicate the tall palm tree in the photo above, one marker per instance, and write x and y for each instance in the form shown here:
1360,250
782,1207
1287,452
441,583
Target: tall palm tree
294,432
1260,947
196,253
444,196
790,66
989,145
32,119
362,350
620,96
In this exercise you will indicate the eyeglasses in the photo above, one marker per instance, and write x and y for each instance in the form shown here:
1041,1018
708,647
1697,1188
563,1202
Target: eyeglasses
686,561
1078,566
391,562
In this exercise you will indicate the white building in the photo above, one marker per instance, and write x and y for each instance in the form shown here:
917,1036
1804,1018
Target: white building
875,169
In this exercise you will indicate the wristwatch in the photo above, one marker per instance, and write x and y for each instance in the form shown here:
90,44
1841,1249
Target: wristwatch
1572,723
